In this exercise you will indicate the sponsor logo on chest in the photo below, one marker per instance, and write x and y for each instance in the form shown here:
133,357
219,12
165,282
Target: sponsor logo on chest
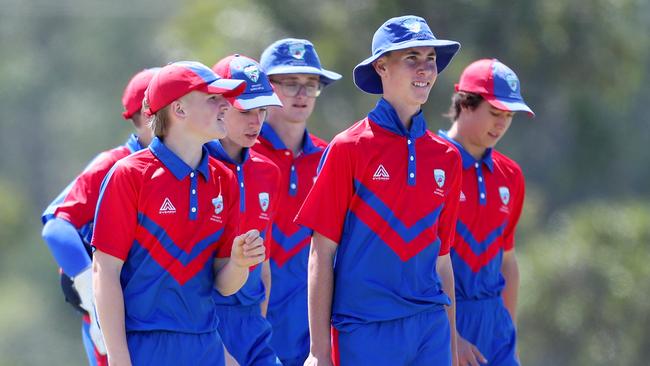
167,207
381,173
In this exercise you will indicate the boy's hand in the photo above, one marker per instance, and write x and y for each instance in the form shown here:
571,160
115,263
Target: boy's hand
248,249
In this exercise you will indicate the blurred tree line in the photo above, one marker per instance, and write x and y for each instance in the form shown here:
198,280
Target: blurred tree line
584,67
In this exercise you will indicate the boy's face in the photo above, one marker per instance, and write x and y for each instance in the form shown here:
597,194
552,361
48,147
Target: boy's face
292,91
244,126
484,126
204,114
408,75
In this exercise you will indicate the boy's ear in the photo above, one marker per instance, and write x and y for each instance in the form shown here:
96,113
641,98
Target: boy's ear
178,109
380,65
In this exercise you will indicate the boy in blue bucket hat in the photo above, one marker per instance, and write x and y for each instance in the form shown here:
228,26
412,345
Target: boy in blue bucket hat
298,77
485,267
383,211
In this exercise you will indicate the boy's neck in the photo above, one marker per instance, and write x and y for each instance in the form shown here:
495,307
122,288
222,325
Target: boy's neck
233,150
291,134
405,112
477,152
186,147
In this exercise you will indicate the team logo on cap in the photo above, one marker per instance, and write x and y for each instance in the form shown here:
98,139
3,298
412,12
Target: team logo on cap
512,81
218,204
252,72
264,201
297,50
413,25
504,192
439,175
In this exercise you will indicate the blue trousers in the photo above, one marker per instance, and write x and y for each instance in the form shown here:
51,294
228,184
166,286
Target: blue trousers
421,339
246,335
163,348
487,324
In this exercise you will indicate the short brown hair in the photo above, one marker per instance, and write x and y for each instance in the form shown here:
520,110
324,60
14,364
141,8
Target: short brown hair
462,99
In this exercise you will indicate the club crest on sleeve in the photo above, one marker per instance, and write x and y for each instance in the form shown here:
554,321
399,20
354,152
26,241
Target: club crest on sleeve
439,176
264,201
504,192
167,207
381,173
218,204
297,50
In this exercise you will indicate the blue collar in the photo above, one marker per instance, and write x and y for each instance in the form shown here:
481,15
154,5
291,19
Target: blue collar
269,134
385,116
468,159
175,164
133,144
216,150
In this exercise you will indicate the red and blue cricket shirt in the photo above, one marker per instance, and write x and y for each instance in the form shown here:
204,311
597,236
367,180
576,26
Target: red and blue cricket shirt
167,222
388,197
491,201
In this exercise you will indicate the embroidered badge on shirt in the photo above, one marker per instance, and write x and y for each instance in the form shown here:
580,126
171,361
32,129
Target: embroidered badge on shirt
381,173
167,207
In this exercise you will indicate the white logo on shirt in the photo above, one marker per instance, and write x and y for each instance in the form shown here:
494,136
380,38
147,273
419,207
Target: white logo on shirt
218,204
381,173
167,207
504,192
462,197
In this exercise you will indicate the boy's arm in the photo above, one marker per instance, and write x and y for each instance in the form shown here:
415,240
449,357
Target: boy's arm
510,271
109,301
446,275
320,281
266,280
231,273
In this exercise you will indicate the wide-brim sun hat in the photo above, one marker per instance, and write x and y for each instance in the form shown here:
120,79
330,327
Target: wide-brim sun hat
397,34
295,56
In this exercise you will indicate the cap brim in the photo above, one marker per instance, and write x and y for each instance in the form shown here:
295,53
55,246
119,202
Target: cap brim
327,77
367,79
230,88
252,101
506,104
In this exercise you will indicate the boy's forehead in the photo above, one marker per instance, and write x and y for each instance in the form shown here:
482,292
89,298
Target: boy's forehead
296,77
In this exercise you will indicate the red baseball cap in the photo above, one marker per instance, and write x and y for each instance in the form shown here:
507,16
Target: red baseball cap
180,78
496,83
134,91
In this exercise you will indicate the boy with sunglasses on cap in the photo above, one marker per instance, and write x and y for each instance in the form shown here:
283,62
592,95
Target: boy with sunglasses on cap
69,219
242,325
163,215
383,210
296,73
491,200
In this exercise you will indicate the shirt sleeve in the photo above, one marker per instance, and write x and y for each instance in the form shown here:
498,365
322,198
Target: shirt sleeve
232,216
78,206
517,206
326,206
116,218
449,214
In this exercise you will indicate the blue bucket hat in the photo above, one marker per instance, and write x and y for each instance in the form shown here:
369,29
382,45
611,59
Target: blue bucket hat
258,93
398,34
295,56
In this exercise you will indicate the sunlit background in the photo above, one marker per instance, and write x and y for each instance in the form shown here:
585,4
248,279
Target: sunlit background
584,65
